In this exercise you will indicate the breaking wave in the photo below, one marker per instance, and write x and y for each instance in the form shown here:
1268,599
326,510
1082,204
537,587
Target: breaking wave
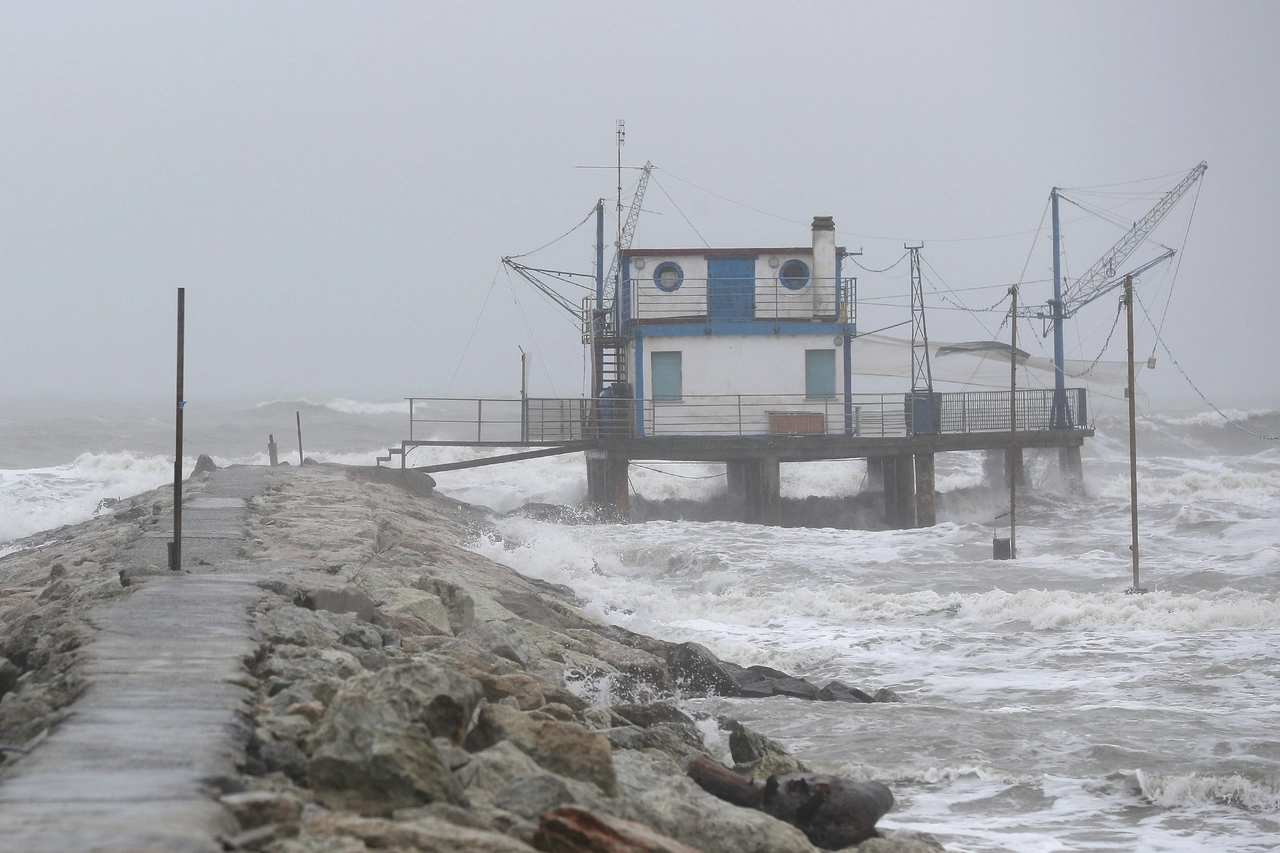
1254,794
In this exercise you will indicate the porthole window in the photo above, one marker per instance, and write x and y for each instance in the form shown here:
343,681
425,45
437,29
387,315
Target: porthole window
794,274
668,276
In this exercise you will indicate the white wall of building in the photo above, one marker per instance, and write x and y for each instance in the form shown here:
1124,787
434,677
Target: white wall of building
773,300
767,371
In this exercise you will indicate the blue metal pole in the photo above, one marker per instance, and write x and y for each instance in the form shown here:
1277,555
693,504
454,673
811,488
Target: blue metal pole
1058,419
842,311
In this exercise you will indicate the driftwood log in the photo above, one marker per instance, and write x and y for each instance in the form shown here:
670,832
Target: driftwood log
832,811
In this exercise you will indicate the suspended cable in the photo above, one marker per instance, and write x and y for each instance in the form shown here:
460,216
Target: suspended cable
1200,393
673,474
542,361
479,316
1178,266
859,265
1125,183
681,212
731,201
561,237
1114,324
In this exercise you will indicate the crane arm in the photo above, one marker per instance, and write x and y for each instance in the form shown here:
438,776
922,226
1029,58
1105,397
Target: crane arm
1099,279
629,229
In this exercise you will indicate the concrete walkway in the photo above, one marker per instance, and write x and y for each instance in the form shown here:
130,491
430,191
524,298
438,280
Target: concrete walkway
163,712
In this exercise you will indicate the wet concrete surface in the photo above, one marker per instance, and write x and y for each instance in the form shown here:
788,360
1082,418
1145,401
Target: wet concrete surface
129,769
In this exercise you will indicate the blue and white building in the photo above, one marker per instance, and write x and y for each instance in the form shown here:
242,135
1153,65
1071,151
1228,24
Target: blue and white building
744,340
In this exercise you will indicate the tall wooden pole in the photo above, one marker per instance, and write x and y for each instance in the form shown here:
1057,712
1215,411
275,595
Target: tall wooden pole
301,459
1133,441
175,547
1013,424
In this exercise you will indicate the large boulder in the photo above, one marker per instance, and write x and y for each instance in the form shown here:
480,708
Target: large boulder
652,792
491,770
574,830
759,756
503,640
429,613
699,672
564,748
373,750
759,681
425,834
459,603
839,692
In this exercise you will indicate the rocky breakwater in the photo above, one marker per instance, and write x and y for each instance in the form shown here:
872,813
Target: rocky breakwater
409,694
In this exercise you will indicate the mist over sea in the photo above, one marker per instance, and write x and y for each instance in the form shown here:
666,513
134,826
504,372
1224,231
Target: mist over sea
1044,710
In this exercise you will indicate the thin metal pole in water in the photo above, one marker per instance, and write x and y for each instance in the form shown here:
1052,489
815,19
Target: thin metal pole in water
1133,441
175,547
298,415
1013,423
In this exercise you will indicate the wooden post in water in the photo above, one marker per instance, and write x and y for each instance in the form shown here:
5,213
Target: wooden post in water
298,415
271,450
175,547
1133,442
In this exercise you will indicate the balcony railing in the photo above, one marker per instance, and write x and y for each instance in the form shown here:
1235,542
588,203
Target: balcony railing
741,300
549,420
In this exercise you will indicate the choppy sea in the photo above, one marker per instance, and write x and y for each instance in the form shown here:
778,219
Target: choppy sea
1044,709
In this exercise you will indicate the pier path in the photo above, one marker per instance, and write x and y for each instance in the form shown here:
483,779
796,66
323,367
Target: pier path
129,769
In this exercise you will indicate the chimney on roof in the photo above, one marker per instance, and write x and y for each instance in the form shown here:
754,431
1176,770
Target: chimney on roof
823,284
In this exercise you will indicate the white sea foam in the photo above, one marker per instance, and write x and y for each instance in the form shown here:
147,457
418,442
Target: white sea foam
1212,418
1058,609
346,406
42,498
1257,794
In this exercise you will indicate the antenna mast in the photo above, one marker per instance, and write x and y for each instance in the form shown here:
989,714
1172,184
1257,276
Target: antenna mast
622,140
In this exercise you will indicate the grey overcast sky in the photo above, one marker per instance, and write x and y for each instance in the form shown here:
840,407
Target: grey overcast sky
335,183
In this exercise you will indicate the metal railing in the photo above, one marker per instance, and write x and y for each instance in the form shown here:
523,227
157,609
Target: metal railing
551,420
742,300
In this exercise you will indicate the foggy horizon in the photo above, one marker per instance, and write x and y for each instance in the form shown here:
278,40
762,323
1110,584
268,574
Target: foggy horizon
335,185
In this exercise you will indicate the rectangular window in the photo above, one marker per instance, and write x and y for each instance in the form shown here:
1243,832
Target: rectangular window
666,375
819,373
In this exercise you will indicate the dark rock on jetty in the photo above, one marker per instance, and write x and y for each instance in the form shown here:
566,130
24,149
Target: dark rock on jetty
409,694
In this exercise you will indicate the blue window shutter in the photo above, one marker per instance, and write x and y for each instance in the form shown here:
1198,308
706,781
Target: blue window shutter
819,373
666,375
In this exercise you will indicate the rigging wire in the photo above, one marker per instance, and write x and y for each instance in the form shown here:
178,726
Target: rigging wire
541,359
1178,266
590,213
886,269
681,476
958,301
1125,183
1114,324
462,356
681,212
1194,387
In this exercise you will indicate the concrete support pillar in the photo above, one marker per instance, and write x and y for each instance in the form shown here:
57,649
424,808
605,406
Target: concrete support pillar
1072,470
926,509
736,479
899,491
607,484
875,474
995,466
1013,462
762,486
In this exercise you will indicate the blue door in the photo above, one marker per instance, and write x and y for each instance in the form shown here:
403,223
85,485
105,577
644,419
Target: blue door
731,289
